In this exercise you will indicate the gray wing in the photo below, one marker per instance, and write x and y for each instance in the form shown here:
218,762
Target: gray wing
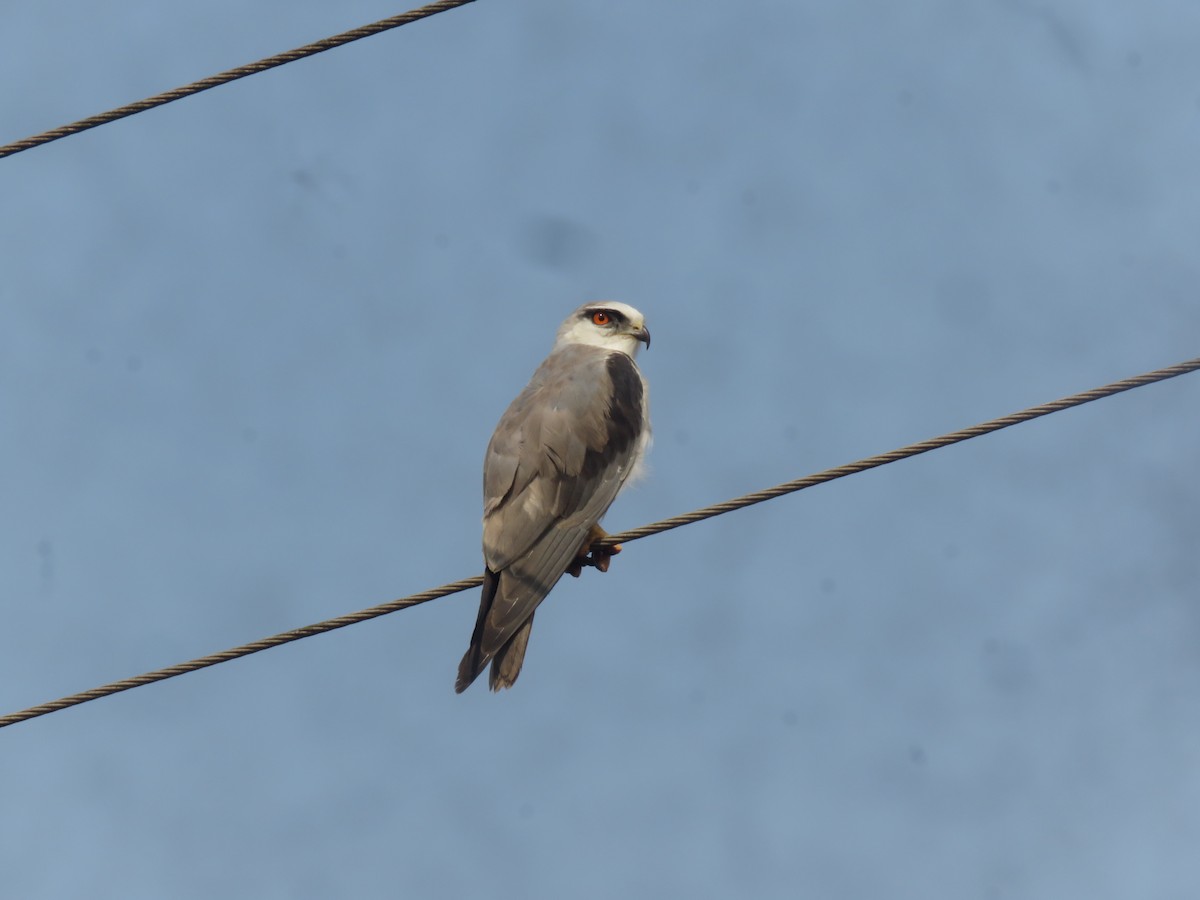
555,464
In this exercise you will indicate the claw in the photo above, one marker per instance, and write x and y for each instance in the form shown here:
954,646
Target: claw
600,557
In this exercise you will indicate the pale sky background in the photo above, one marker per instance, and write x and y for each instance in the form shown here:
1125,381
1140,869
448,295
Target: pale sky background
252,346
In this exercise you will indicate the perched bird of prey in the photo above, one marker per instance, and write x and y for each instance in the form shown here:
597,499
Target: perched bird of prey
559,456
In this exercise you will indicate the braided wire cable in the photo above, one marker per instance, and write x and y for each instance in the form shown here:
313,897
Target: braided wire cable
882,459
708,512
229,75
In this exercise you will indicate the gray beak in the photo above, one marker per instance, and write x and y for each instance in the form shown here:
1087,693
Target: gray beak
643,335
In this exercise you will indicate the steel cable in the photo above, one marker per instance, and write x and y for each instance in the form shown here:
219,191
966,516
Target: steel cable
213,81
707,512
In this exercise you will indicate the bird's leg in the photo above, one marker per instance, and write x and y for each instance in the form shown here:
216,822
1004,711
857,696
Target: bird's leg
599,557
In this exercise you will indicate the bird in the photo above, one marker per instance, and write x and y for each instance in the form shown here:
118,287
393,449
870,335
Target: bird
560,454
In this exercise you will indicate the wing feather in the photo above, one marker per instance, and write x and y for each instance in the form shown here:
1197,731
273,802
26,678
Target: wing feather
558,458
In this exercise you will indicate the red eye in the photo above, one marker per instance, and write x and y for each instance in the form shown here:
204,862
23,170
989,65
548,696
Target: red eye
601,318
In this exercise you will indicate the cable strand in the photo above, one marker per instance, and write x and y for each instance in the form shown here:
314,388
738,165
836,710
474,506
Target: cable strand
229,75
872,462
708,512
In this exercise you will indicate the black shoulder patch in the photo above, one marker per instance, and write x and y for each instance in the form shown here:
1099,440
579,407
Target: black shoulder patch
622,419
625,408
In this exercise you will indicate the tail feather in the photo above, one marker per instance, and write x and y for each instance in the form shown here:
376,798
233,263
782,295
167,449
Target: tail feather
473,661
499,620
507,664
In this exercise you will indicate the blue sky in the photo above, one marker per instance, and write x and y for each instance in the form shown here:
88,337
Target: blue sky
253,344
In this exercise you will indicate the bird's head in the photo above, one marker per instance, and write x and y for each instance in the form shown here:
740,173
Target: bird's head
607,324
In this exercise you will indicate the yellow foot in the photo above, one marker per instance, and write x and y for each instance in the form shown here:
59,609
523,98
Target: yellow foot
600,557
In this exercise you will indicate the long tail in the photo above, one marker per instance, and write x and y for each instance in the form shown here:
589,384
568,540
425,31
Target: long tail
506,664
506,609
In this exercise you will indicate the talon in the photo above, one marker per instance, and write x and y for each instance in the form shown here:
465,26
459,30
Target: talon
600,557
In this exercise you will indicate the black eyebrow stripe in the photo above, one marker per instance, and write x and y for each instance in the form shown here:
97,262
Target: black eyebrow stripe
615,313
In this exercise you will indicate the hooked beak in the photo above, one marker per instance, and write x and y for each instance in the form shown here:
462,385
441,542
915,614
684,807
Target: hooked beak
643,335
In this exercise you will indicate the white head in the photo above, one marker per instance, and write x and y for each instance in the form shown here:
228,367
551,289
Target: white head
607,324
